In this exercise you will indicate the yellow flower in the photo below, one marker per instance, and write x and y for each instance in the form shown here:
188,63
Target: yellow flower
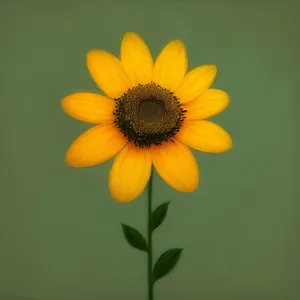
151,114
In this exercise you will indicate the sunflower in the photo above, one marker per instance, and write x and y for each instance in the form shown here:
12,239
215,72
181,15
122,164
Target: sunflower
151,114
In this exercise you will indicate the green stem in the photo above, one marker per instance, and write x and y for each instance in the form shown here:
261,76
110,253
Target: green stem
150,280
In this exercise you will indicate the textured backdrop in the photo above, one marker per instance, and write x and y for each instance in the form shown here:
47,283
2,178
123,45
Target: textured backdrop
60,230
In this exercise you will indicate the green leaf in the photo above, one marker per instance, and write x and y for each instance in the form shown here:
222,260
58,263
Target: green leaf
159,215
134,238
166,263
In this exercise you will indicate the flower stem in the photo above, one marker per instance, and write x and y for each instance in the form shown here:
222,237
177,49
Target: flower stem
150,279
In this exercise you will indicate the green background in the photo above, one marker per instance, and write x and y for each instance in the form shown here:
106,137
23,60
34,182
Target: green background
60,230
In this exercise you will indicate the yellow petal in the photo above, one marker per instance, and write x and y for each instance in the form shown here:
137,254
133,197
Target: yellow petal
95,146
205,136
196,82
170,66
108,72
209,104
136,58
176,164
89,107
130,173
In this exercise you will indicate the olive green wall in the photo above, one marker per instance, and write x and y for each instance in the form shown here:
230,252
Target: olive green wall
60,230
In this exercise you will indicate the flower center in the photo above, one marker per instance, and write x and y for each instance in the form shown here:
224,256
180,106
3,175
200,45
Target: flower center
148,115
151,110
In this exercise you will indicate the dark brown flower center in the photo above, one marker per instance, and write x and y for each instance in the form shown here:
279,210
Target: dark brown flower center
148,115
151,110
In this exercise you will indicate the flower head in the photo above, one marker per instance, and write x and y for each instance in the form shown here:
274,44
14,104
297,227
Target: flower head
151,114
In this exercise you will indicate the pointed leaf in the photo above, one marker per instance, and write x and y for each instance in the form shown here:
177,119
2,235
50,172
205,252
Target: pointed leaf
134,238
166,263
159,215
